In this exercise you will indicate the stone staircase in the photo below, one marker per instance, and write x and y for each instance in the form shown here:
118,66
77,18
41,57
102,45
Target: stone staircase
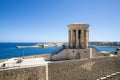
58,51
113,76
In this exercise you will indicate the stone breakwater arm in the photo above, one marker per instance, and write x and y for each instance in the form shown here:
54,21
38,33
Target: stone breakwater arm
42,45
28,46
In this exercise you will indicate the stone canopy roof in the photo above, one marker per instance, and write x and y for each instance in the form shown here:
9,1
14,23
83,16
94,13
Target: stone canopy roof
78,23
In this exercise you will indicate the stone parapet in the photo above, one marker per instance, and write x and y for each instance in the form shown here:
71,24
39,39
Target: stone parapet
79,69
69,54
87,69
29,73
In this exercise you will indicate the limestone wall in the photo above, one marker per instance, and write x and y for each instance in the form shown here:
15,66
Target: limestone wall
30,73
78,53
69,54
95,53
89,69
84,69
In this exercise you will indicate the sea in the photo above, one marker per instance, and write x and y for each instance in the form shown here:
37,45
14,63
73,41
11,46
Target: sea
9,50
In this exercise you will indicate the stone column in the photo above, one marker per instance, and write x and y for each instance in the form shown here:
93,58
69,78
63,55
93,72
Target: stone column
87,38
77,39
74,38
71,38
82,38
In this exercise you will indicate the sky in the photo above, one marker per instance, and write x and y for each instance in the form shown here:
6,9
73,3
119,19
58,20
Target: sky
47,20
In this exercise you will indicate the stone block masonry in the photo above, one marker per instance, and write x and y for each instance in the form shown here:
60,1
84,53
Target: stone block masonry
30,73
79,69
89,69
78,35
69,54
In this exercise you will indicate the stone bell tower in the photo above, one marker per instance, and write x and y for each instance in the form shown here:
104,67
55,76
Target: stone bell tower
78,35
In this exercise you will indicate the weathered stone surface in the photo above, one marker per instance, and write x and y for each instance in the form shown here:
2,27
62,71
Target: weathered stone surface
33,73
69,54
86,69
78,35
90,69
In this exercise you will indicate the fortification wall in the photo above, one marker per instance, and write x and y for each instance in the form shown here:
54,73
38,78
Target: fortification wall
86,69
95,53
89,69
69,54
29,73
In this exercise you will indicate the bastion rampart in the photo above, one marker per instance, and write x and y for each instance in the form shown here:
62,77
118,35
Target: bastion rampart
28,73
77,62
79,69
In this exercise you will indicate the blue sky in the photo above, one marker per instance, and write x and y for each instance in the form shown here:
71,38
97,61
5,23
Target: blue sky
47,20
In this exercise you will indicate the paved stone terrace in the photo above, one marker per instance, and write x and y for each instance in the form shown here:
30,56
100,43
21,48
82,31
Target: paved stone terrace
12,63
86,69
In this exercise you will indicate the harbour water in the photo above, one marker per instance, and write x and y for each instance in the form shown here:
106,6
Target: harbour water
9,50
